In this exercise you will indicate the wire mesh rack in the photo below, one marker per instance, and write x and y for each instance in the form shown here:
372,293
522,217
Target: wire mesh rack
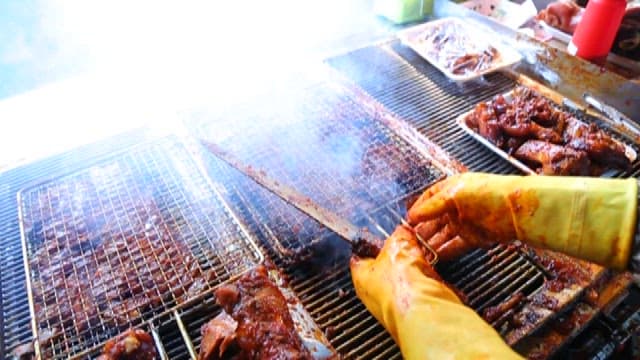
123,242
327,145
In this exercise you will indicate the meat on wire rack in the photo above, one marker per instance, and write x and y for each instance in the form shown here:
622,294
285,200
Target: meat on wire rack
326,145
125,241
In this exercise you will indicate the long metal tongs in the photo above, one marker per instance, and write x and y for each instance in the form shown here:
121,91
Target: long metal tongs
363,243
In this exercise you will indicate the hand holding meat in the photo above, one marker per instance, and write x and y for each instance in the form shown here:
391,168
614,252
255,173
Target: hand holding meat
425,318
563,15
590,218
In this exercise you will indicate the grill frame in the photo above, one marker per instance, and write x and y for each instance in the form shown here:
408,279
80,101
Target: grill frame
147,318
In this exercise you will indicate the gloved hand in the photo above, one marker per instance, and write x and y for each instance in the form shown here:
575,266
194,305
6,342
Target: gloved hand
446,237
424,317
590,218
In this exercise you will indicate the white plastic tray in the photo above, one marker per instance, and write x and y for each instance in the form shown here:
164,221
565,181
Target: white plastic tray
412,38
629,152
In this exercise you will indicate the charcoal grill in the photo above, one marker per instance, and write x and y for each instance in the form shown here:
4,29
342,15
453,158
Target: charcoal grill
393,83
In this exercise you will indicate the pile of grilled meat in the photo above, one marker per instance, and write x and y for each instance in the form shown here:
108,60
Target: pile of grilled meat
551,141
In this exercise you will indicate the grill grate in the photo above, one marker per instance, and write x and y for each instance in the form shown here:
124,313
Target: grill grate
409,86
124,242
330,148
491,277
397,78
328,293
16,328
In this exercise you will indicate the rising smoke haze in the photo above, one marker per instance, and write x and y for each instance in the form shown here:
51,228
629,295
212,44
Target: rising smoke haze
185,46
76,71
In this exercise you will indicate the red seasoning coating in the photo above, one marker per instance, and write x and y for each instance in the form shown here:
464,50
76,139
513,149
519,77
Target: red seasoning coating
551,141
134,344
260,325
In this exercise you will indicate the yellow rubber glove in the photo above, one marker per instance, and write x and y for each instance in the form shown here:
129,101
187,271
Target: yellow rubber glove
424,317
589,218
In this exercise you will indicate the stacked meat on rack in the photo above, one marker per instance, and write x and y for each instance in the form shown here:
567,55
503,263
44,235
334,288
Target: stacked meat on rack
94,273
255,323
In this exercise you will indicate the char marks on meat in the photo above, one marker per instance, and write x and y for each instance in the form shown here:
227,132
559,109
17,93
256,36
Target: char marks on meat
134,344
600,147
265,329
531,128
493,313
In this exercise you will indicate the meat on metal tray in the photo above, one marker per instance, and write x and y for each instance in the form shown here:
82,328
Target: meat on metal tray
518,154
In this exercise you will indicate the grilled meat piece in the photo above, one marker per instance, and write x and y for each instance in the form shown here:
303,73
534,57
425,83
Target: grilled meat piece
519,124
600,146
528,116
554,159
473,62
134,344
88,273
454,49
265,327
218,336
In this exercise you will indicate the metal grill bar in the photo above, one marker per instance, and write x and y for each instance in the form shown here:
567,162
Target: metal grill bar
120,236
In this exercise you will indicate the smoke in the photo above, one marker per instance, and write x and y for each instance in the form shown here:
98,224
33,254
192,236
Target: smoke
188,49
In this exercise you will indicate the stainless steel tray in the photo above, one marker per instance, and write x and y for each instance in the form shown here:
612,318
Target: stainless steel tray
460,121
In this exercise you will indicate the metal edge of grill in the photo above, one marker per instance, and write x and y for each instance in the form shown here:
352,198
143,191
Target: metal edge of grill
15,308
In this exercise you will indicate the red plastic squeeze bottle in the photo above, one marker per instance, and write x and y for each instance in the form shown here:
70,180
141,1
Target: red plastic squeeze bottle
595,33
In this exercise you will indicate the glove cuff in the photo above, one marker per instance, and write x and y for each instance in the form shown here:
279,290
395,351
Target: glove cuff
590,218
